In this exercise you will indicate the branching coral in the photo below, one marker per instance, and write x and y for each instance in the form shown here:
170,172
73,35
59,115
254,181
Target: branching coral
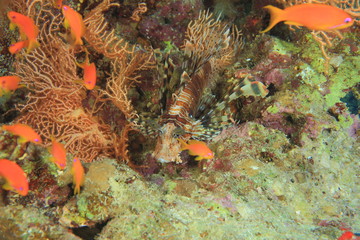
99,36
126,61
54,106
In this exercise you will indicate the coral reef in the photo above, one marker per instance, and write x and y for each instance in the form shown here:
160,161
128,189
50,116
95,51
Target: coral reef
284,130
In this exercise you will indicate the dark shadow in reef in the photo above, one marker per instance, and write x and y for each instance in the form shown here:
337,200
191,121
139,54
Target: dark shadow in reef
89,233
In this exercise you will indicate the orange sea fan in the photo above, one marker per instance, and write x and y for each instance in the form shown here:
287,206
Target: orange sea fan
54,107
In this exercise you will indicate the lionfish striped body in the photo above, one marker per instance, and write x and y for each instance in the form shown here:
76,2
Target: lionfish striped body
186,102
210,47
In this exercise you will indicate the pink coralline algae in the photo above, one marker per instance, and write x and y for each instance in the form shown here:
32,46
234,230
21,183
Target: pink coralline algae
169,22
292,123
355,127
272,69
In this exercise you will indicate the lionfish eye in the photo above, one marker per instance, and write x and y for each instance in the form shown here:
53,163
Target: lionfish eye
36,140
21,188
347,20
13,16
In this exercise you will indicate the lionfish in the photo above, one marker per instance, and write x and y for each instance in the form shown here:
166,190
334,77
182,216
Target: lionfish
199,107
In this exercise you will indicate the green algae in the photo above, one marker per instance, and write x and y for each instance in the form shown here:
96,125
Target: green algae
312,53
284,47
273,109
82,207
18,222
346,77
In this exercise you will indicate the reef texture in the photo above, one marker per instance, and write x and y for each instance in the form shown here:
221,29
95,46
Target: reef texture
286,165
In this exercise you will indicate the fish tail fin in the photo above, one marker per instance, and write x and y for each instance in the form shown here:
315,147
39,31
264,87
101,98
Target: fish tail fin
77,189
183,144
32,45
276,16
78,41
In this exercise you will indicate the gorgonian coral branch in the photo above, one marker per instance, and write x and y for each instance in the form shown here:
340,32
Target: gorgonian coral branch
54,107
99,36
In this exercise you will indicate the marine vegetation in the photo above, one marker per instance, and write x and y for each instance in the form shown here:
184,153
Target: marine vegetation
179,119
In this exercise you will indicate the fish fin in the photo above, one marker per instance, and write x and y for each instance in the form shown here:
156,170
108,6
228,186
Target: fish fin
253,88
66,23
81,82
52,159
22,140
77,189
7,186
32,45
79,41
198,158
23,36
293,23
12,26
22,86
96,88
2,92
80,65
276,16
193,141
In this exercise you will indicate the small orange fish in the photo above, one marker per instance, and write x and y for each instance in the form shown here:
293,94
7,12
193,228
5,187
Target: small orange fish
313,16
8,84
197,148
27,28
15,48
74,20
15,177
78,175
25,132
346,236
58,153
58,4
89,73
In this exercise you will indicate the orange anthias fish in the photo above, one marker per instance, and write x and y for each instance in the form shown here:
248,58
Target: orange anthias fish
78,175
58,4
25,132
14,176
197,148
58,153
313,16
15,48
89,73
74,20
27,28
8,84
